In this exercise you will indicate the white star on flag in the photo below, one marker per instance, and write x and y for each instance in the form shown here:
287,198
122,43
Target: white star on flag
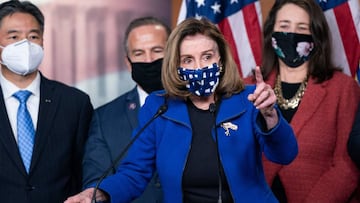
200,3
216,8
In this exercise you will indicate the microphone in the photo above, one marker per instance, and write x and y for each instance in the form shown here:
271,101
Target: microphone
212,109
162,109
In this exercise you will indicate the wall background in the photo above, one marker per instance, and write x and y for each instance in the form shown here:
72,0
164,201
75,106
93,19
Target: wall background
83,42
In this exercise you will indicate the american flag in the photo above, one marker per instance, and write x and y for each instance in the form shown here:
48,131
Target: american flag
241,22
344,21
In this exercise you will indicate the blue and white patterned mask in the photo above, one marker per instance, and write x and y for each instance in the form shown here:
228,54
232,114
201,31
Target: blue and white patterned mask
203,81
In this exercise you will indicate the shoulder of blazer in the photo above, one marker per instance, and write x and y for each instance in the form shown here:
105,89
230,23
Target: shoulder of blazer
53,86
127,97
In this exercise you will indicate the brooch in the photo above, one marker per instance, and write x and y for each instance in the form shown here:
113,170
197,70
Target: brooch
227,126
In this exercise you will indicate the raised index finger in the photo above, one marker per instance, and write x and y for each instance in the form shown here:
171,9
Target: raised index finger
258,75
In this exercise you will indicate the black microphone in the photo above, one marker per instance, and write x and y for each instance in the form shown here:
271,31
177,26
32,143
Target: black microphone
162,109
212,109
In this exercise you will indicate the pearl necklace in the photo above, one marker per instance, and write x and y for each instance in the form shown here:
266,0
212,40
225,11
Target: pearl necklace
293,102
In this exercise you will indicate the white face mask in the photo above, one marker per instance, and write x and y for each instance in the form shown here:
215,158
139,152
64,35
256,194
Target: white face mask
22,57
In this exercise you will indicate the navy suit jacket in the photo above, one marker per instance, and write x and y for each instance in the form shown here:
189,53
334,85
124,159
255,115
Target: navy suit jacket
110,131
55,171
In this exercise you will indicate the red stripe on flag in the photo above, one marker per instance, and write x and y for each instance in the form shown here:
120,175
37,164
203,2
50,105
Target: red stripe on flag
252,24
225,28
348,34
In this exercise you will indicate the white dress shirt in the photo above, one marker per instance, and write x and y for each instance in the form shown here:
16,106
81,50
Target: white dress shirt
12,103
142,95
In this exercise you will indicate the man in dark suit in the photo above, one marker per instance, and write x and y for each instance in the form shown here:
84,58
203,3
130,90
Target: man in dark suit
40,159
113,123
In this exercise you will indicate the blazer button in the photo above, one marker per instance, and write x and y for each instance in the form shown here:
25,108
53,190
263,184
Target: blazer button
30,187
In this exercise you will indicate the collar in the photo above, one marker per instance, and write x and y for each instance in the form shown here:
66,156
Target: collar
142,95
9,88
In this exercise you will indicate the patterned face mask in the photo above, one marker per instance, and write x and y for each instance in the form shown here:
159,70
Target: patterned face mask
201,82
292,48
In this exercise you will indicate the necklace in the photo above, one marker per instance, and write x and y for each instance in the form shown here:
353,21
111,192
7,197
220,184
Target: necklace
293,102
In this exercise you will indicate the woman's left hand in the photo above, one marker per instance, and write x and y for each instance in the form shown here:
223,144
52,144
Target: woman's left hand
264,99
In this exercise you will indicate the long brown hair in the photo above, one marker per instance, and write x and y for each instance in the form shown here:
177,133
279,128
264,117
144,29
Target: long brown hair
320,64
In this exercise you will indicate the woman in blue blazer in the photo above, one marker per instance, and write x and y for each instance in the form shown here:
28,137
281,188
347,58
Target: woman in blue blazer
207,139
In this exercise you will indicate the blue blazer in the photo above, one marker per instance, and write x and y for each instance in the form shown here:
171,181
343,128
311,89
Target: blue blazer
55,171
110,131
165,145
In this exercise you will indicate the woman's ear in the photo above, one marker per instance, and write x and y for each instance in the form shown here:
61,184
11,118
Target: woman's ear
220,64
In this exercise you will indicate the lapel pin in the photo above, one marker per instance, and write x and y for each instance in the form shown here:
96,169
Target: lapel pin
132,106
47,100
228,126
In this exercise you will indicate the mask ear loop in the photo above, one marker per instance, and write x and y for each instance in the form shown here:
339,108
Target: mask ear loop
128,58
220,65
1,56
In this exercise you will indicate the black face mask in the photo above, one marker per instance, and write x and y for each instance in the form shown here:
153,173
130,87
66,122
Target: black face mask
292,48
147,75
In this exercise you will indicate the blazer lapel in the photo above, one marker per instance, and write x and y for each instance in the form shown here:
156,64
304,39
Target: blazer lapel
132,107
7,137
313,97
49,101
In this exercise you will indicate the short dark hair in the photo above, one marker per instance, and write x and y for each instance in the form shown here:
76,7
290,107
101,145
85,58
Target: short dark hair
14,6
320,65
148,20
